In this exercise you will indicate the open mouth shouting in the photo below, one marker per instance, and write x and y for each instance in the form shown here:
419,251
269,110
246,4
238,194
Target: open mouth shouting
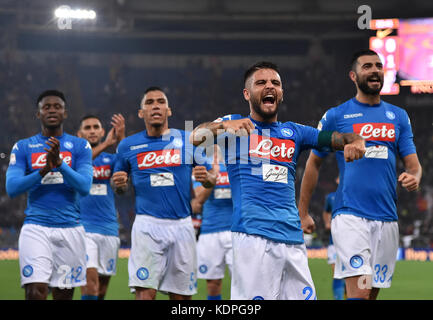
374,80
269,100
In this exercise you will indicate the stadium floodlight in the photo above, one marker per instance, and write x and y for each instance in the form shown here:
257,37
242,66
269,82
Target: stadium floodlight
65,12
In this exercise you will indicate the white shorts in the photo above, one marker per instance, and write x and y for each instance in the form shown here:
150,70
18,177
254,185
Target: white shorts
102,252
56,256
268,270
365,247
332,254
163,255
214,253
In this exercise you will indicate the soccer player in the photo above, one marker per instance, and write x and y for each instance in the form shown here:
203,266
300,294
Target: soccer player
98,211
364,220
159,162
337,284
53,167
270,258
214,246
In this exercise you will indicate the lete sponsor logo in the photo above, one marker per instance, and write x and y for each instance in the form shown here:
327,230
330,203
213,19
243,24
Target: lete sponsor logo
375,131
102,172
159,158
272,148
39,159
222,179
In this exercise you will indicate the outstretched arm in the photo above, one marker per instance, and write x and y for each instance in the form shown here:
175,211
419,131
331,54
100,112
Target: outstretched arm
110,140
115,135
352,144
119,182
201,195
411,178
308,184
206,177
206,132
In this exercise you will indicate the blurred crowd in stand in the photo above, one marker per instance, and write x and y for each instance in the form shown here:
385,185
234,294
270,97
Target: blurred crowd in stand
197,92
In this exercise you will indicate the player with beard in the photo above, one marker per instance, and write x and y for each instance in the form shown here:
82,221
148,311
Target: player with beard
98,211
54,168
364,219
269,253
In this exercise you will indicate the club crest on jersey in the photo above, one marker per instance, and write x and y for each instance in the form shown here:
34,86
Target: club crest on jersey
68,145
287,132
159,158
390,115
375,131
271,148
39,159
102,172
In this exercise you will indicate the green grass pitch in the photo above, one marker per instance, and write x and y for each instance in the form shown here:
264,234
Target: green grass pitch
413,280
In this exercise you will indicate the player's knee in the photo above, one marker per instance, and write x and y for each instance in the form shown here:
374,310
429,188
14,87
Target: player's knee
36,291
214,287
92,286
145,294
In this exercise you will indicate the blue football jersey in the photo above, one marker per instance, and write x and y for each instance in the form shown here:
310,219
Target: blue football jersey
368,186
262,171
98,211
218,208
160,169
52,201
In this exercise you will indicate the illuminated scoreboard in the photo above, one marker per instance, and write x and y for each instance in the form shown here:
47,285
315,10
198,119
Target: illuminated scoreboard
408,54
387,47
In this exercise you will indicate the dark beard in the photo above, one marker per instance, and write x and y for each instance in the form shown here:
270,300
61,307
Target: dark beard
363,86
256,107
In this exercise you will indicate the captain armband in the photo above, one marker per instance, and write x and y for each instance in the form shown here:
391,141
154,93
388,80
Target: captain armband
325,139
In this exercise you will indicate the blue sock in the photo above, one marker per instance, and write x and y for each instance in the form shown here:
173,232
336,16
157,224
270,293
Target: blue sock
218,297
338,289
87,297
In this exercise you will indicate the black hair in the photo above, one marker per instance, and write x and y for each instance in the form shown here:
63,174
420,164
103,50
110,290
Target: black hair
258,66
154,88
360,53
90,116
47,93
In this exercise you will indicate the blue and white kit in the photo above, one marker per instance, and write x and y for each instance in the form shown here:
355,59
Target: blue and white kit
267,236
160,169
99,218
52,215
366,197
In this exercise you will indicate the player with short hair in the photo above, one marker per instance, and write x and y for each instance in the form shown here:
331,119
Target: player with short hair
159,162
214,246
98,211
53,167
364,220
270,257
